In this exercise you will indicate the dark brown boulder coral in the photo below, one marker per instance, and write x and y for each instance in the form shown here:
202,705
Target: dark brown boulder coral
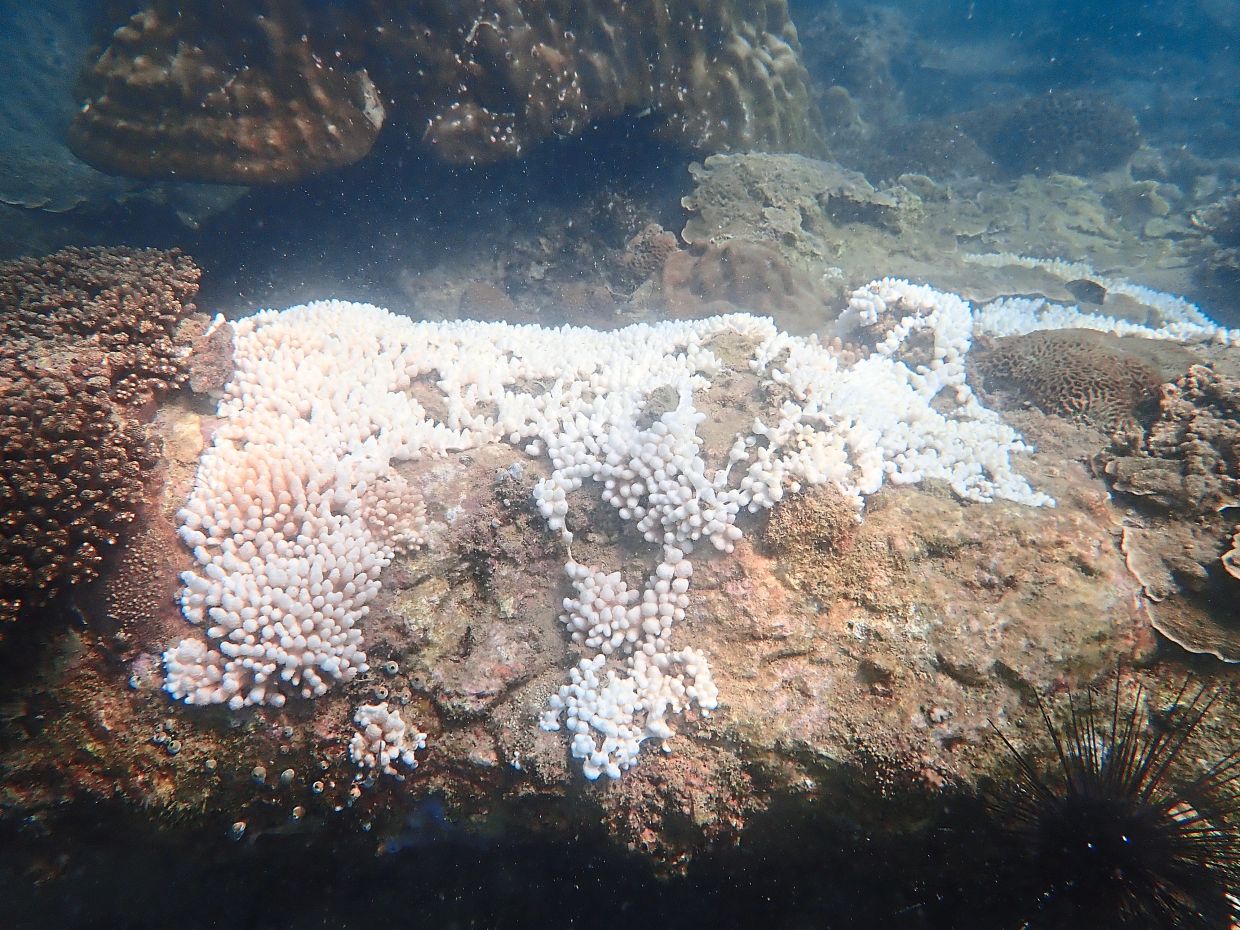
277,91
215,93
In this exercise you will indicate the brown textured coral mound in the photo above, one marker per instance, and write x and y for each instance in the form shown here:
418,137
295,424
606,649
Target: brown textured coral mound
1070,132
87,336
739,275
276,91
1073,373
214,92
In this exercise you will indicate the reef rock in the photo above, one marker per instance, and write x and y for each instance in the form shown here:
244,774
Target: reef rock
597,547
1184,473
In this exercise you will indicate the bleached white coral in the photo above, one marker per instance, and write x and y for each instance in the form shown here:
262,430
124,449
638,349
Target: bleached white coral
383,739
909,402
1172,317
297,507
293,514
611,710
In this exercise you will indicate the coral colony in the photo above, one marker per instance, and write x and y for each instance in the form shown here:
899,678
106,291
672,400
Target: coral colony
297,507
179,92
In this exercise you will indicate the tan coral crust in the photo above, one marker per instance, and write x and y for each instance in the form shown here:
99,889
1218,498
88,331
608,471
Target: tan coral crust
1231,558
1188,465
739,275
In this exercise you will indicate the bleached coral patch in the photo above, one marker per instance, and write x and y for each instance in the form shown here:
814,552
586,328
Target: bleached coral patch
297,506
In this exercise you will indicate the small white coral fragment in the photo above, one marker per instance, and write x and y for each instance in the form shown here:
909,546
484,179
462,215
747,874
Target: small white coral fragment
384,739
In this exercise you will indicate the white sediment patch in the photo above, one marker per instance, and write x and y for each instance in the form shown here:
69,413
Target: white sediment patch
297,508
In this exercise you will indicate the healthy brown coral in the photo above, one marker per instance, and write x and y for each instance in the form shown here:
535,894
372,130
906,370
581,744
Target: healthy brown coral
1072,373
87,337
217,93
739,275
1065,131
278,90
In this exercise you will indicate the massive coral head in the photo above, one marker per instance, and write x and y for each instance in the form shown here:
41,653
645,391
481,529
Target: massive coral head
281,90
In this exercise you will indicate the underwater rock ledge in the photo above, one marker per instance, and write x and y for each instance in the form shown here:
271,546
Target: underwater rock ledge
849,657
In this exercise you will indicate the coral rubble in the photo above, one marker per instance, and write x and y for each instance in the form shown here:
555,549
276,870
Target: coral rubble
90,337
279,91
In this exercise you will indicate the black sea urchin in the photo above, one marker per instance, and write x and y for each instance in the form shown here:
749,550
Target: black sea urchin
1115,833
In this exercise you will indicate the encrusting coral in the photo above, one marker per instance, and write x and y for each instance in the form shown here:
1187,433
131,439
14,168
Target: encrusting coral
1194,445
87,338
277,91
738,275
1186,465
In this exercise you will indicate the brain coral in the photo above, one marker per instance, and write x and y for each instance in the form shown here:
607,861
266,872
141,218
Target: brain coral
86,338
272,92
1075,373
